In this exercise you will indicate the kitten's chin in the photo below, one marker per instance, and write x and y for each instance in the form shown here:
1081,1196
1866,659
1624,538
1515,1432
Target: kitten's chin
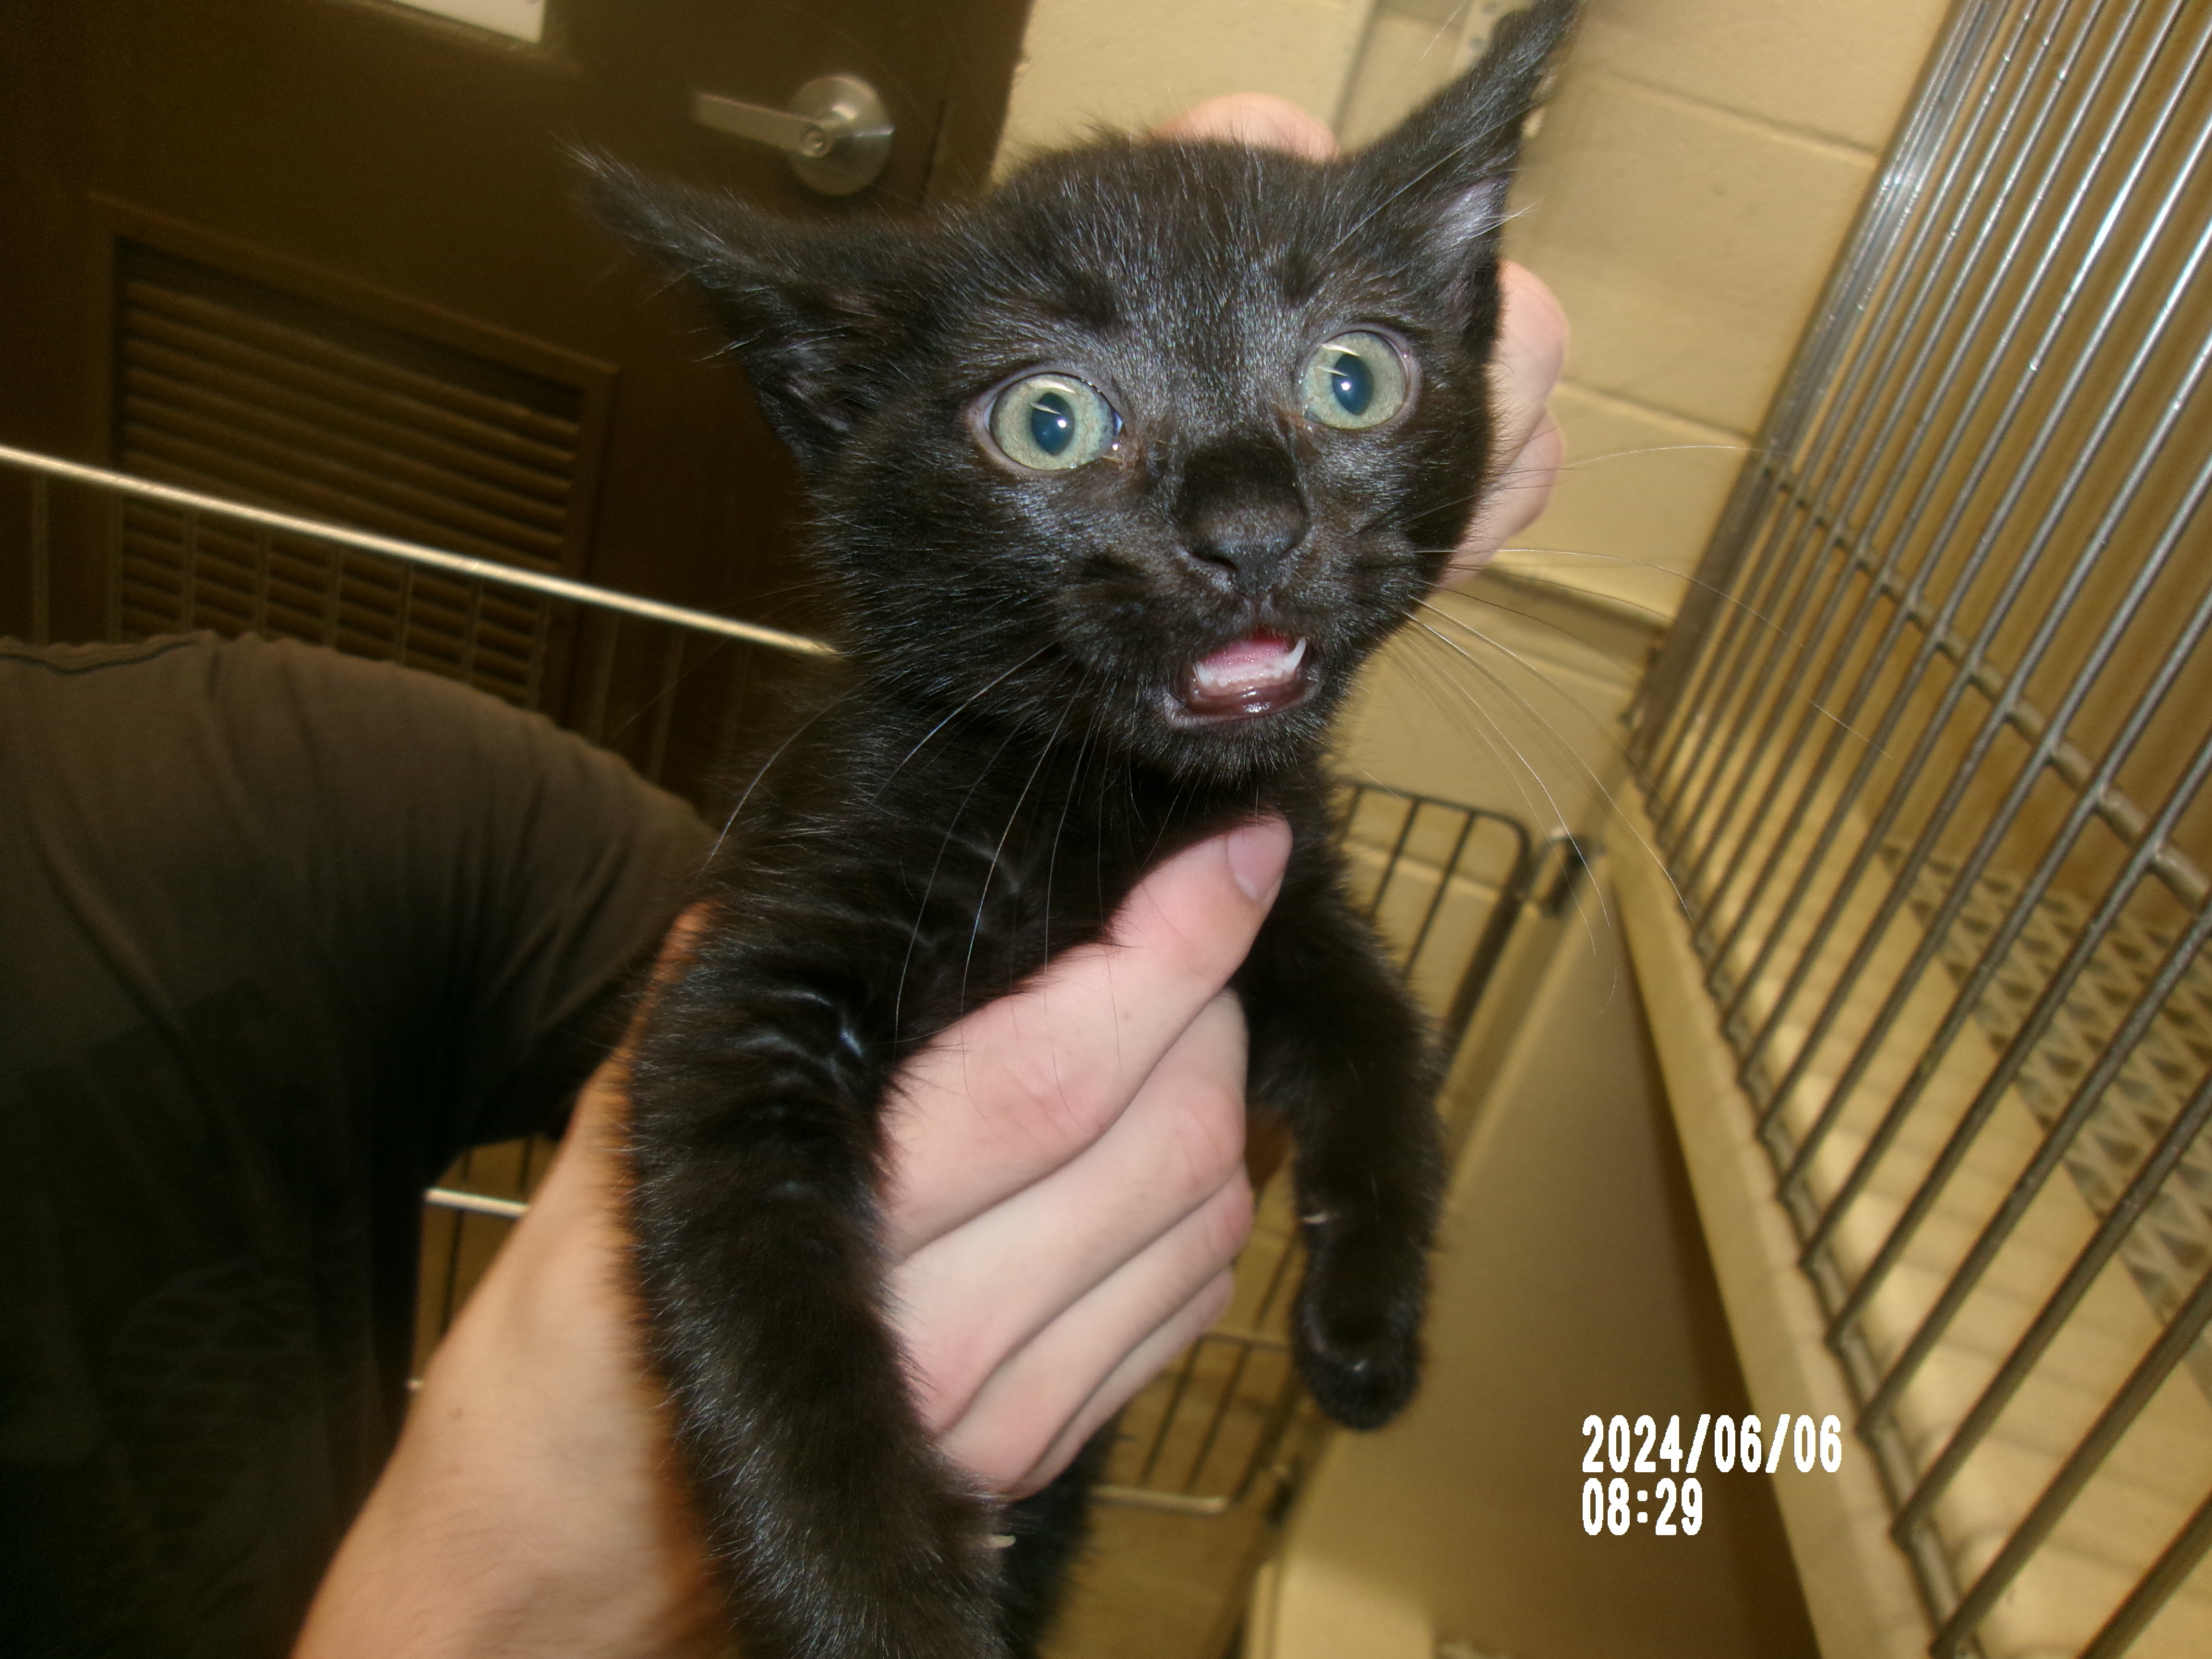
1248,679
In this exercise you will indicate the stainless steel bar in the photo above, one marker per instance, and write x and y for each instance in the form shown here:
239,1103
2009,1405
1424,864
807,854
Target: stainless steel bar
1922,466
1952,69
1759,579
1856,383
2117,195
2029,1182
2090,448
1661,713
2087,447
1838,821
1444,889
1938,927
1708,823
1776,929
1174,1503
450,1290
1497,927
1873,389
1995,953
1776,586
1937,475
1220,1412
413,553
2167,1574
1270,1437
2162,1159
2188,881
1180,1387
452,1198
2022,1045
1870,840
2075,1473
1397,851
1998,269
1251,1338
1278,1277
1760,630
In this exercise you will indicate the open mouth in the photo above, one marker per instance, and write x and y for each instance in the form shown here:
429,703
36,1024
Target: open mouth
1262,674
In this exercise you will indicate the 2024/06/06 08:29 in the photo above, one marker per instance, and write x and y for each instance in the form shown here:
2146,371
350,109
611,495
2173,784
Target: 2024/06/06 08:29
1606,1507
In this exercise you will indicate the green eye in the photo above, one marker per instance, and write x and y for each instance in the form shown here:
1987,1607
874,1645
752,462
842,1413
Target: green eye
1355,381
1050,423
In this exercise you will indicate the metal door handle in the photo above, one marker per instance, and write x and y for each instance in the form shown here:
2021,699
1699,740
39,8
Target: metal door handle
836,132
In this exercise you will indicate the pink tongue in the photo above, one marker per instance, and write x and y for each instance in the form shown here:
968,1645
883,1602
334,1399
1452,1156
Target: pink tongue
1260,658
1252,676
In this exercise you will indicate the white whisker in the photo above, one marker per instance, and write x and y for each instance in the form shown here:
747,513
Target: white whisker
730,823
1596,781
966,703
1559,818
999,853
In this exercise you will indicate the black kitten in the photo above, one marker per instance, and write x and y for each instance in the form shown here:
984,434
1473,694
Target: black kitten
1120,474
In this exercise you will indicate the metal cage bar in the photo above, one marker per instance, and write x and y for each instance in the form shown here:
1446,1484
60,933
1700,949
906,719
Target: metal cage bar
1927,754
1883,575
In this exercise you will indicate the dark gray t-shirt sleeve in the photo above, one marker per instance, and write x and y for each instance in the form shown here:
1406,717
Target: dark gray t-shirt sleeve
481,880
280,932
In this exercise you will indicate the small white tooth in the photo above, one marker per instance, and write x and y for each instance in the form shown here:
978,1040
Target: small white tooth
1249,672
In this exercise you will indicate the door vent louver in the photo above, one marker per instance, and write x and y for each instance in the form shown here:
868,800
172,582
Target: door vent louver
242,388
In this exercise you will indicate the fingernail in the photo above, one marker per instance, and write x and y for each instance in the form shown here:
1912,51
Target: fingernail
1257,853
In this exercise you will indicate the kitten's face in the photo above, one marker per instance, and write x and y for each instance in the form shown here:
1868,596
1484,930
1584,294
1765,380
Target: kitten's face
1174,447
1149,450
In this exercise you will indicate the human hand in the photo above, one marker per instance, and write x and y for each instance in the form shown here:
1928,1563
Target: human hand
1092,1129
1532,337
1063,1193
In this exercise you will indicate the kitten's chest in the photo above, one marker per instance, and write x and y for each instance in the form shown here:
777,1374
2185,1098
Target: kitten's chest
998,879
980,867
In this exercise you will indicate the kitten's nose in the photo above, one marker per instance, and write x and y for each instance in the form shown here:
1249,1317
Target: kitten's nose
1240,512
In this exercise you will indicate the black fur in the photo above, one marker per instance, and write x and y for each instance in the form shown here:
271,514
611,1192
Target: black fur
1002,751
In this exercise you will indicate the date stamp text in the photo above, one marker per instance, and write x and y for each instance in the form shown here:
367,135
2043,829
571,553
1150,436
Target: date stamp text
1675,1504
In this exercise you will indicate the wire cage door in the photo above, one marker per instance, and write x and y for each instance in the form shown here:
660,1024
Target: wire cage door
1925,756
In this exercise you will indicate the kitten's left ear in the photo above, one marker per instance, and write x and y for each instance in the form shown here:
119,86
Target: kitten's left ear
806,307
1443,174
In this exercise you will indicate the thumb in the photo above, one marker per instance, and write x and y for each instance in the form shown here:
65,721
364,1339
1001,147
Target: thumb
1028,1082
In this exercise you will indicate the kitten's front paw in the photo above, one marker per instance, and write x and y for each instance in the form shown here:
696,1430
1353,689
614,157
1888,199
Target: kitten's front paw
1356,1339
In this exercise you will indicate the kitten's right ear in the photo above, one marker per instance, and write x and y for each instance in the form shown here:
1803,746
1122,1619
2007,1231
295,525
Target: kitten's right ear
1442,175
802,306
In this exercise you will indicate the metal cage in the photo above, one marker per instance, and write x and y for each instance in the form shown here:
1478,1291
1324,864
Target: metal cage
120,557
1925,756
